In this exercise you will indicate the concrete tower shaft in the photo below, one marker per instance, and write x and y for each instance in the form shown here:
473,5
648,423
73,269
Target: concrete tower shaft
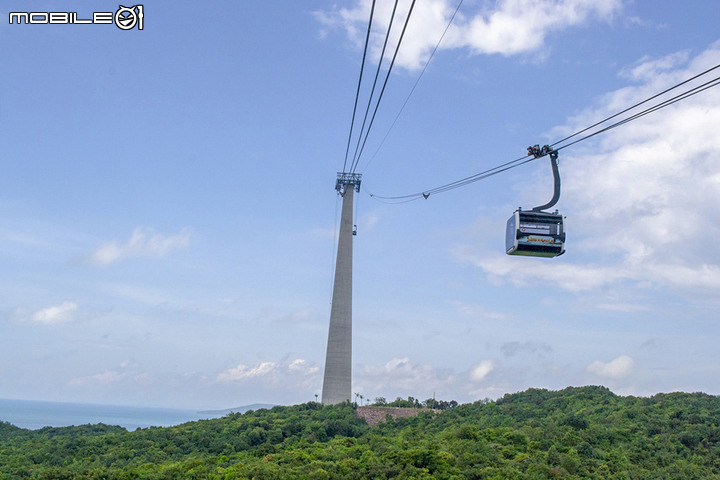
338,360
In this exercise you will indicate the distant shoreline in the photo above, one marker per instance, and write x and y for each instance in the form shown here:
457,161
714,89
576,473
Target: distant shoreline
37,414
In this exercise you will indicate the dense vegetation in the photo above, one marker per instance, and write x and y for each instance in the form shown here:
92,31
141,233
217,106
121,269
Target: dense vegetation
576,433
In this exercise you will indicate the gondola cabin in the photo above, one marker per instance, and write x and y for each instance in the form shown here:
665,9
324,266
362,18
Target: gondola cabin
535,234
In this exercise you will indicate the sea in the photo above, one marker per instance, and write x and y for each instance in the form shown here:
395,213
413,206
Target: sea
34,415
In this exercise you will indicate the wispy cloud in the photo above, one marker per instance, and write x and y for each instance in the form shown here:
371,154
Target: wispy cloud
268,371
51,315
618,368
243,372
401,373
638,199
502,29
402,376
143,242
649,69
302,366
576,278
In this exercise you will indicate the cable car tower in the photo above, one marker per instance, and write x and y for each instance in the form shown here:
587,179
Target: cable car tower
537,233
338,360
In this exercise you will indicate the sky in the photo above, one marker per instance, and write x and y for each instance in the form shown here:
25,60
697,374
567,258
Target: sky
168,216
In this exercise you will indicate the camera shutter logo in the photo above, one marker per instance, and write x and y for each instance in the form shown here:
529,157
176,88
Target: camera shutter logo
127,17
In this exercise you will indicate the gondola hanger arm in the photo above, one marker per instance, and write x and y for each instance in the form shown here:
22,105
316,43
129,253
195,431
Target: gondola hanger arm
538,152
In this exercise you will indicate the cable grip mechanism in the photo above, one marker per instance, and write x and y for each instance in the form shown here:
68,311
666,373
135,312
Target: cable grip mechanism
538,152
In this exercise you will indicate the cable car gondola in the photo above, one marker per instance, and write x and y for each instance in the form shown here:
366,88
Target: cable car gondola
536,233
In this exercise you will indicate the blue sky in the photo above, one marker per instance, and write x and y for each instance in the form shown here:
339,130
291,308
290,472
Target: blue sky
168,208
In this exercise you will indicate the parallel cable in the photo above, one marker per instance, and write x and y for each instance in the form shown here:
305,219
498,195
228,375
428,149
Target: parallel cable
377,74
460,183
700,88
437,45
357,94
637,105
528,158
382,91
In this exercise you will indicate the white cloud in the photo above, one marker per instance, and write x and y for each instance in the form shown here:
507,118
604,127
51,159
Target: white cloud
142,243
505,30
480,371
296,370
402,374
303,367
621,367
501,268
242,372
644,196
639,199
51,315
511,27
649,69
402,377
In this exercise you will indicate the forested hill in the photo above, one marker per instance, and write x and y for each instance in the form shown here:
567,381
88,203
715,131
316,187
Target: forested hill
575,433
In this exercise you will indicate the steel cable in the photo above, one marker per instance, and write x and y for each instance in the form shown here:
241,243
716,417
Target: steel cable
528,158
357,94
354,164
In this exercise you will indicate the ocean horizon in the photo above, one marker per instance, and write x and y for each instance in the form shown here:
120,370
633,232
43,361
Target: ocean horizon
36,414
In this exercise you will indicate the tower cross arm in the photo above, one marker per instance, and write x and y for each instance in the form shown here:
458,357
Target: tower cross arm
344,179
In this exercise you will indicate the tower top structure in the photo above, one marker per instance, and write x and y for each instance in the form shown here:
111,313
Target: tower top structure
344,179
